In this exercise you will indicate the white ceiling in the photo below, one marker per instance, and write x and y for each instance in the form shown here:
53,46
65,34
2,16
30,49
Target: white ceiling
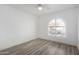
32,8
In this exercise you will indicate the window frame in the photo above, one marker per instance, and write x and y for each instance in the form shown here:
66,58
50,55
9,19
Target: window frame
62,33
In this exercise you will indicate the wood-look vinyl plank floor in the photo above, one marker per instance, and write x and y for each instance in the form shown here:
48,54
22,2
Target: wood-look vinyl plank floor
41,47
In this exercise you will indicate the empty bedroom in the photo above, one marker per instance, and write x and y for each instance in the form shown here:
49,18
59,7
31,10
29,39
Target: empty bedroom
39,29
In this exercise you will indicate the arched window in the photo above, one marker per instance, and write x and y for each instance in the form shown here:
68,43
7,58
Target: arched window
56,27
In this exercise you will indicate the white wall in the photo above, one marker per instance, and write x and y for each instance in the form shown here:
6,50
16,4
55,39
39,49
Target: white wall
15,27
78,28
68,16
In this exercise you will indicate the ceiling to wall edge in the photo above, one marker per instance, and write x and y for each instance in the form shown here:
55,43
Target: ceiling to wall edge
40,11
58,11
20,10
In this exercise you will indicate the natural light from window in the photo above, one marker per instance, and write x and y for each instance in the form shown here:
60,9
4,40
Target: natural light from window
56,27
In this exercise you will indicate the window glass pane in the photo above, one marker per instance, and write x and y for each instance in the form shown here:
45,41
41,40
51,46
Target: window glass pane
59,30
52,22
59,22
52,32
